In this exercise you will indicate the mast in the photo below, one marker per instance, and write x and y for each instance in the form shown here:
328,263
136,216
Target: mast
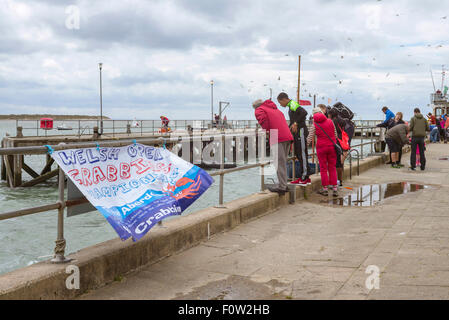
433,81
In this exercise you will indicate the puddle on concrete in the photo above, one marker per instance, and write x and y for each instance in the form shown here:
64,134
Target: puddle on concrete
235,288
370,195
444,158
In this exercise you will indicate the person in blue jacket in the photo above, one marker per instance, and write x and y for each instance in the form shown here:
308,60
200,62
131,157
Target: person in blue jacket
388,114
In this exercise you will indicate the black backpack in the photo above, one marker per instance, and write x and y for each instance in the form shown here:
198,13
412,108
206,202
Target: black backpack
343,111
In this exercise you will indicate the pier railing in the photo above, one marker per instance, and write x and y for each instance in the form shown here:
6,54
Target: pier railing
62,203
139,127
116,127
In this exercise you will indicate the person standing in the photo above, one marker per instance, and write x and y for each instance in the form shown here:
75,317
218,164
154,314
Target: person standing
325,132
388,114
340,125
298,127
270,119
446,130
419,128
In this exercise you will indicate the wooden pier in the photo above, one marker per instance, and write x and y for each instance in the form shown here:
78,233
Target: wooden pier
13,166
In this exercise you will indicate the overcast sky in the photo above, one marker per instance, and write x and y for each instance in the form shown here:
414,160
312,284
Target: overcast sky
159,56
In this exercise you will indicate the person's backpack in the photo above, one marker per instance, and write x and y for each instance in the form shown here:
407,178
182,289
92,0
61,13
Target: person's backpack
343,111
344,141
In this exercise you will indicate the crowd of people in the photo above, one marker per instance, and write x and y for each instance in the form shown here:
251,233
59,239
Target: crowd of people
332,129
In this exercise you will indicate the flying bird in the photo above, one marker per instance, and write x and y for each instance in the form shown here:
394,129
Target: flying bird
286,54
444,17
340,81
342,57
321,39
387,74
334,75
349,39
279,78
402,46
374,59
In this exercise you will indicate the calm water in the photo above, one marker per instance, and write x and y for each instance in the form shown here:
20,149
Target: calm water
30,239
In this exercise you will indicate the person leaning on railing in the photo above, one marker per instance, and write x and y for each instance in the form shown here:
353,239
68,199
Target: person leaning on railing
270,119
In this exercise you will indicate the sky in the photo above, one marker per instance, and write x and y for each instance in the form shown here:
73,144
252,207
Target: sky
159,56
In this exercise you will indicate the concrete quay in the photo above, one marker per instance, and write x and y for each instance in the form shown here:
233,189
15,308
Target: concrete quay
313,251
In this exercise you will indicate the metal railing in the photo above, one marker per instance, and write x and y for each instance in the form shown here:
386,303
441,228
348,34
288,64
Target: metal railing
116,127
61,204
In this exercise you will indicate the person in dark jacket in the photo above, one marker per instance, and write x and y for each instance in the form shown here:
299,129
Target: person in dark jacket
340,124
396,138
298,127
419,128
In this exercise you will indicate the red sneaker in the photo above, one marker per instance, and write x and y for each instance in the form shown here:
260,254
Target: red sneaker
308,181
296,181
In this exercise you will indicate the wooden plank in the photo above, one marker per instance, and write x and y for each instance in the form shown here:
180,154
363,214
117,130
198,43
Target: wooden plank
29,170
47,167
41,178
9,172
17,170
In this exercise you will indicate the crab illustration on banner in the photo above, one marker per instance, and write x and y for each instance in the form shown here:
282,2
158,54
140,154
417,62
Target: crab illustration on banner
136,186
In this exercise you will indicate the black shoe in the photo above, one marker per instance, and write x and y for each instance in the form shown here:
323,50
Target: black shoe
413,169
389,162
323,192
422,169
277,190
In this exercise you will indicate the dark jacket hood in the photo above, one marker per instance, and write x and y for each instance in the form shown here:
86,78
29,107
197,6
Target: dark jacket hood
418,115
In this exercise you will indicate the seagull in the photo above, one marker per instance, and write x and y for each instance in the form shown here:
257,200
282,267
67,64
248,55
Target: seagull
397,14
387,74
349,39
409,55
340,81
321,39
350,92
418,64
439,46
279,78
374,59
444,17
264,85
334,75
402,46
342,57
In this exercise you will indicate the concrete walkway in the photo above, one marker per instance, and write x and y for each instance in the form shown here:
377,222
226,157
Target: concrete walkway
312,250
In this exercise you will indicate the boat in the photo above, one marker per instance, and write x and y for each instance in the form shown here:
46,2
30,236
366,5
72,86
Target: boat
64,127
439,100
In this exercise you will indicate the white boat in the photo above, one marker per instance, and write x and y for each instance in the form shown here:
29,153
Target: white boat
64,127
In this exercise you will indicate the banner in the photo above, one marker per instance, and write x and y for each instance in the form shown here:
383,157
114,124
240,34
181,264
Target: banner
136,186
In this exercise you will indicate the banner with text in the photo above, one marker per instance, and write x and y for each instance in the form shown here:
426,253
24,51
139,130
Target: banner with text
135,186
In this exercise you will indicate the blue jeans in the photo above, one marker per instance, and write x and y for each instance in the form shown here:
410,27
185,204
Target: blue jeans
434,135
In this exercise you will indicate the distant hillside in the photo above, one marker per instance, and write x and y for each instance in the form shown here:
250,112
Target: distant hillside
54,116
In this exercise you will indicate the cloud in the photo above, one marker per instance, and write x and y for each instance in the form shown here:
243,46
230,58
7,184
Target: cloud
159,56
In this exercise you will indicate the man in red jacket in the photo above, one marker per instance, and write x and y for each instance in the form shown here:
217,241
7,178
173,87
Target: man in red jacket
271,118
